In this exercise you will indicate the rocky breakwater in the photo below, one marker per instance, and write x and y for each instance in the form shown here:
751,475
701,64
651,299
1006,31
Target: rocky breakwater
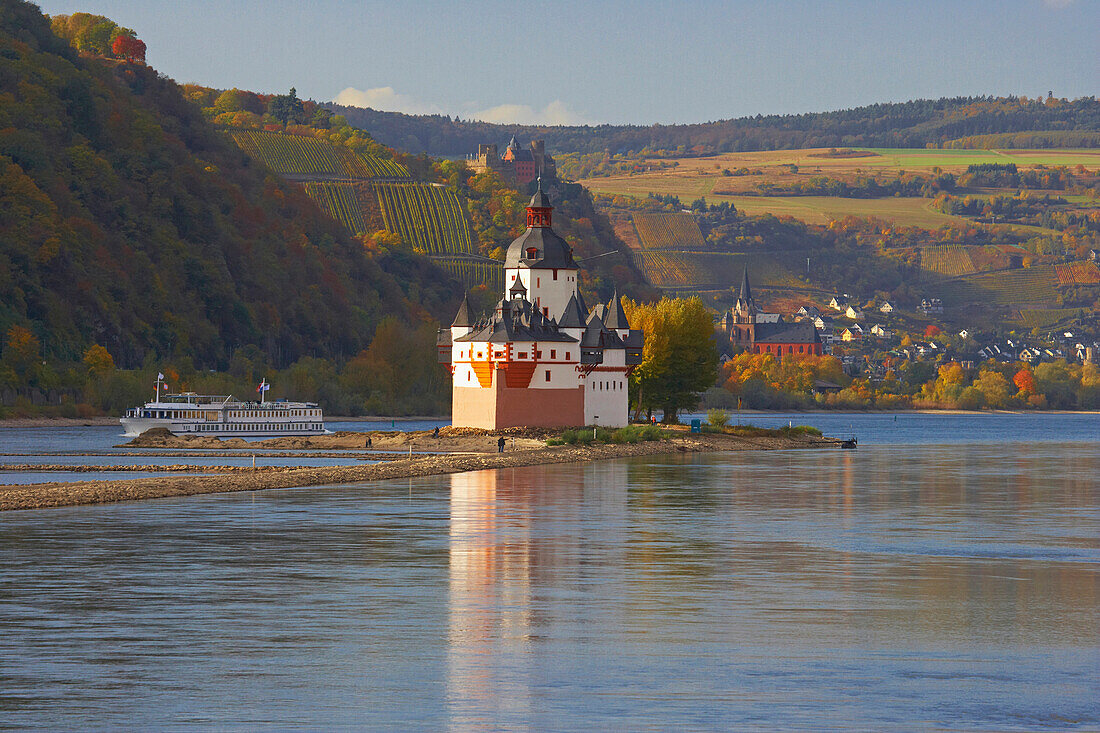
530,450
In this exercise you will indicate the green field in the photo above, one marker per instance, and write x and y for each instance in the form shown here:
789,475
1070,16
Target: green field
709,270
340,201
693,178
1032,286
668,231
296,155
473,271
431,219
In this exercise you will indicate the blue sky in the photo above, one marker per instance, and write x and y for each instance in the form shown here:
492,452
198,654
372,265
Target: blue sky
618,62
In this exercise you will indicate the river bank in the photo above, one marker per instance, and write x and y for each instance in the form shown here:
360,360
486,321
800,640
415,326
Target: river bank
38,496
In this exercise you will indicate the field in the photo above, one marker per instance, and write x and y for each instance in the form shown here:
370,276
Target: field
701,177
711,270
1045,318
1078,273
473,271
430,219
1032,286
294,155
947,259
340,201
669,231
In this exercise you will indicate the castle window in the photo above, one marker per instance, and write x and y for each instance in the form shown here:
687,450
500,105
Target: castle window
532,253
553,353
522,355
545,312
555,274
547,375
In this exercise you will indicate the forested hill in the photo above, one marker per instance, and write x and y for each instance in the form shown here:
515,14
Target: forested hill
914,124
127,221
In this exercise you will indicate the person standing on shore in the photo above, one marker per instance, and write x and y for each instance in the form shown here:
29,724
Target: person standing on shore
500,444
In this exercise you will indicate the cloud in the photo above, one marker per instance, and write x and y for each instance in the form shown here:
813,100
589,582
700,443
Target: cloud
385,99
555,113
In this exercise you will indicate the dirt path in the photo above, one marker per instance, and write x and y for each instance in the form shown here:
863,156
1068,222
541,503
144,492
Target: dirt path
37,496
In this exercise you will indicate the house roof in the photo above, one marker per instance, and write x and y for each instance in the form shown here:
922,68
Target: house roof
802,332
574,316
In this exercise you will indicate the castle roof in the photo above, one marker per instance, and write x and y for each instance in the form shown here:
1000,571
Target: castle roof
462,318
516,320
616,316
550,251
573,317
540,200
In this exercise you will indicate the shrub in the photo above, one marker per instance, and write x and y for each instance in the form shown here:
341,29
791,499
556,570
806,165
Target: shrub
718,418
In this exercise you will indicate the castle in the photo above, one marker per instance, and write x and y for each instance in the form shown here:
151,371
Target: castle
541,358
516,166
748,330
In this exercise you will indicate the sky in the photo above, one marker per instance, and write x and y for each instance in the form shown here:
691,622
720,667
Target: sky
641,62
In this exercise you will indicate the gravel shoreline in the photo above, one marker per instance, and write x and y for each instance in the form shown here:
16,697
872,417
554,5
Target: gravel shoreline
39,496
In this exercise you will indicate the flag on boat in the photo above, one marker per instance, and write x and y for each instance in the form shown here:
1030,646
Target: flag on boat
264,386
160,376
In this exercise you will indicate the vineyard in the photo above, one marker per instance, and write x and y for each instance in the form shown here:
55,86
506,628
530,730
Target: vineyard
339,200
303,156
471,271
951,260
669,231
1078,273
431,219
1041,318
1029,286
681,270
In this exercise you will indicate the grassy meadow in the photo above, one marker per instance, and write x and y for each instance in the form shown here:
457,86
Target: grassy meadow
693,178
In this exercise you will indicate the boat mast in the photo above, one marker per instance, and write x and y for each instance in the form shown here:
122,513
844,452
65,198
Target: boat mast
160,379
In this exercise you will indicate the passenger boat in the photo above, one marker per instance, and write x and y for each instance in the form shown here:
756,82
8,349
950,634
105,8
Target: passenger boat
222,416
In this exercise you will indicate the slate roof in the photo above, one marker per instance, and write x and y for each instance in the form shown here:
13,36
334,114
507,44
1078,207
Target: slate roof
573,317
802,332
552,252
516,320
462,318
616,316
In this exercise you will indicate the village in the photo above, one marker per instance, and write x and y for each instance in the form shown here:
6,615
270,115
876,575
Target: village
873,336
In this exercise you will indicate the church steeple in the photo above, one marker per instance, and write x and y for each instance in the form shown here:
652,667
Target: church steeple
744,310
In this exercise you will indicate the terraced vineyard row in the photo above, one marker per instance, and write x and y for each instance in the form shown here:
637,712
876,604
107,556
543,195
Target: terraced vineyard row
474,272
1045,318
298,155
951,260
669,231
430,219
1032,286
1078,273
680,270
339,200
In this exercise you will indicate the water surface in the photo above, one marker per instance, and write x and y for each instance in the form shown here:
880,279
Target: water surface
895,587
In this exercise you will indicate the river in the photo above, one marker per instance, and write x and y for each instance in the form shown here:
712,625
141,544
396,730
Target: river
945,577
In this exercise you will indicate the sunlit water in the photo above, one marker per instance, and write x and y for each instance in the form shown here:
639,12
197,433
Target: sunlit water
894,587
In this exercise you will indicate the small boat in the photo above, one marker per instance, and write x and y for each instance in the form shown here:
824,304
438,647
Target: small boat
222,416
849,444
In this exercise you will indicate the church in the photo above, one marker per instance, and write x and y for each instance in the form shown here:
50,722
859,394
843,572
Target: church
541,358
749,330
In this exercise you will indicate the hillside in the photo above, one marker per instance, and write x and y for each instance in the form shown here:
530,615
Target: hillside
918,123
127,220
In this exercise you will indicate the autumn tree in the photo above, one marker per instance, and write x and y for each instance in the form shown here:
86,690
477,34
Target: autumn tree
680,357
286,108
97,360
129,48
22,353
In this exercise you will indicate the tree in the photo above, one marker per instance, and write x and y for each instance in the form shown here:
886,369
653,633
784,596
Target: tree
129,48
679,358
21,353
286,108
98,360
1024,382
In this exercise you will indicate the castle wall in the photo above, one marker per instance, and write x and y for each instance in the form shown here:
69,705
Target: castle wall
606,398
543,290
500,406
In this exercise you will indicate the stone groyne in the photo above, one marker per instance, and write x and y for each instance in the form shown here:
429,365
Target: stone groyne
38,496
